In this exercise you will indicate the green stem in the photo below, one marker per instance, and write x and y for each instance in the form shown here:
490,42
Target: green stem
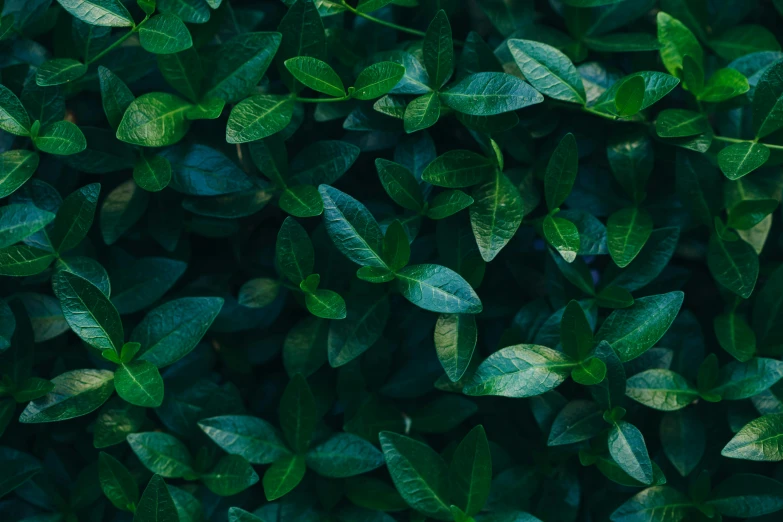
390,24
321,100
737,140
118,42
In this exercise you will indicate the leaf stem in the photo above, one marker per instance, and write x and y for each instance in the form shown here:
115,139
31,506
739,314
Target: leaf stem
117,42
738,140
391,25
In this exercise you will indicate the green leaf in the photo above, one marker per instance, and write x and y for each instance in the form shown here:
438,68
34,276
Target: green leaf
184,72
628,450
106,13
678,123
22,260
758,440
744,39
563,236
165,34
631,160
18,468
548,70
656,86
455,342
420,474
301,201
152,173
735,336
13,116
589,373
740,159
683,439
448,203
470,472
116,97
88,312
117,483
627,232
156,504
488,93
660,389
438,51
344,455
523,370
140,384
733,264
458,169
496,214
576,335
298,414
16,167
154,120
630,97
659,503
75,393
171,331
326,304
422,112
283,476
677,42
377,80
741,380
367,6
578,421
561,172
400,184
230,476
59,71
348,339
162,454
317,75
352,228
750,212
396,246
240,64
747,495
768,101
294,251
62,138
258,117
634,330
20,221
723,85
252,438
438,289
121,209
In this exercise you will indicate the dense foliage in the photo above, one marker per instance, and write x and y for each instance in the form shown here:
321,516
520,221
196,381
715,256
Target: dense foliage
391,260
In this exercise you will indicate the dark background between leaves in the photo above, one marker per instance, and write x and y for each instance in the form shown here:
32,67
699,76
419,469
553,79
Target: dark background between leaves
250,360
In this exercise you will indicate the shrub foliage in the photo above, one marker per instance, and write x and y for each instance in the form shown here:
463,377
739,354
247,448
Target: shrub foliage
391,260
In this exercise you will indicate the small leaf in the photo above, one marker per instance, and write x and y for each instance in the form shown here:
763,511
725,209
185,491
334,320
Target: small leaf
317,75
438,289
140,384
660,389
455,341
59,71
156,504
627,232
740,159
563,236
548,70
630,97
488,93
377,80
62,138
438,51
758,440
283,476
154,120
117,483
258,117
627,448
678,123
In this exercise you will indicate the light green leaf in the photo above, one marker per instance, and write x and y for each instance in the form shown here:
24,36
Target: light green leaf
258,117
660,389
488,93
422,112
283,476
59,71
377,80
13,116
75,393
156,119
16,167
563,236
548,70
634,330
106,13
496,214
152,173
62,138
165,34
740,159
438,289
316,74
627,232
523,370
677,42
140,384
22,260
628,450
759,440
455,341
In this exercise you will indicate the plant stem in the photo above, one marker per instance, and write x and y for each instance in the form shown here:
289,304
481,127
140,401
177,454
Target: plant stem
118,42
737,140
391,25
